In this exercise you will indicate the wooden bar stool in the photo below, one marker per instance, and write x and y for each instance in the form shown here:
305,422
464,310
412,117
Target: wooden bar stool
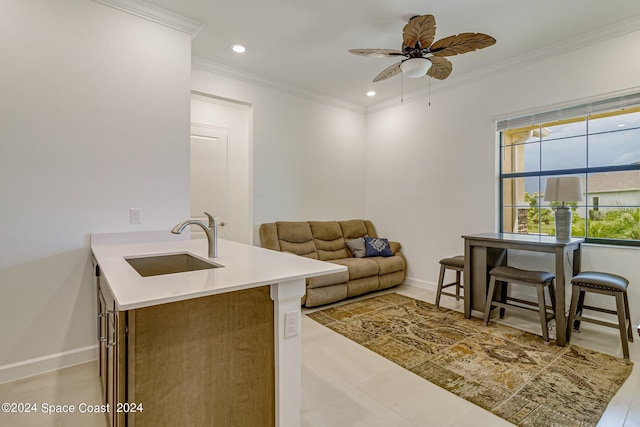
455,263
539,279
607,284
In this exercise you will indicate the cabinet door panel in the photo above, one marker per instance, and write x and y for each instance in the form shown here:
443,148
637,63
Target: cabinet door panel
110,337
205,361
102,340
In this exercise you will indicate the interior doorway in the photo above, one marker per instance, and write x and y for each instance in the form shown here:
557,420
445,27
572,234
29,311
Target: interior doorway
209,176
221,178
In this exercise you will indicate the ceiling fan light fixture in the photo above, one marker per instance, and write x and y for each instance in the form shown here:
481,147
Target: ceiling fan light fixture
415,67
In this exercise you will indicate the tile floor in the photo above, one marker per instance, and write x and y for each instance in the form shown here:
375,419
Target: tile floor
343,384
70,386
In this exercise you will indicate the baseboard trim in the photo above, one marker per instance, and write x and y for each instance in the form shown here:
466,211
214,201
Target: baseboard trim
41,365
421,284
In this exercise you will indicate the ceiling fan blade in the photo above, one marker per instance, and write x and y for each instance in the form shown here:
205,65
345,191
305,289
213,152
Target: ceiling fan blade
390,71
378,53
420,29
440,68
462,43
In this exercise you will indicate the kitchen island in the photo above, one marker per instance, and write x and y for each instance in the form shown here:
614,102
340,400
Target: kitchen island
203,347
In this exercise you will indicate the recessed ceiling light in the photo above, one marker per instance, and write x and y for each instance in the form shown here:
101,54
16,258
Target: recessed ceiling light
371,93
621,125
238,48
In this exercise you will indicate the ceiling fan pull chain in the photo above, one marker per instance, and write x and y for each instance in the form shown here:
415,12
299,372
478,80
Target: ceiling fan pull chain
429,92
402,88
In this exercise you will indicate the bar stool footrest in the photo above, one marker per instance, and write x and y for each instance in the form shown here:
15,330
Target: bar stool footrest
601,322
549,309
451,294
599,309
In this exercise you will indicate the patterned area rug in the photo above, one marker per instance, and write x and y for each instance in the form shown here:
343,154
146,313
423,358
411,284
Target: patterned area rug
504,370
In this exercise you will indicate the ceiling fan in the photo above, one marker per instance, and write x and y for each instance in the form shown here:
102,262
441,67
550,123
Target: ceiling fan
422,55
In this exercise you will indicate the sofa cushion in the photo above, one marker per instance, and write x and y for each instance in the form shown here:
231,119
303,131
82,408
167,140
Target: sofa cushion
296,237
388,265
362,286
328,239
374,246
325,295
354,228
392,279
359,267
328,279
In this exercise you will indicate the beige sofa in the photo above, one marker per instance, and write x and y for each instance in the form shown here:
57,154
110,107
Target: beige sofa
327,241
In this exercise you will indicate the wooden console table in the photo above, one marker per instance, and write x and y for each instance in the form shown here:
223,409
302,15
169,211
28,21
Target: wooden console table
487,250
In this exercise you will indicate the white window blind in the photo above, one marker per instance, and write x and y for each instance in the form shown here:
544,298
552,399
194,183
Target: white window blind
595,107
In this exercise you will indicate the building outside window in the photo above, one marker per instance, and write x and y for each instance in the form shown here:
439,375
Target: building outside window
598,143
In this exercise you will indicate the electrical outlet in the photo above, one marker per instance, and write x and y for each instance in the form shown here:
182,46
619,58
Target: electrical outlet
135,216
291,324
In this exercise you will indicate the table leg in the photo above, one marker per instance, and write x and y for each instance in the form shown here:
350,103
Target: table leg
478,276
561,321
577,260
467,279
478,261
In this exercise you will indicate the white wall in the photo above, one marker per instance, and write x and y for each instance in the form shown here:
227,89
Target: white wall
308,161
95,120
440,162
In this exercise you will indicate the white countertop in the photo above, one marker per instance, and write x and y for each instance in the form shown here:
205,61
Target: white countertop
245,267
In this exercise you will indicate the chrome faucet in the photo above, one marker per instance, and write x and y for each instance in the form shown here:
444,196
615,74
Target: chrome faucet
211,230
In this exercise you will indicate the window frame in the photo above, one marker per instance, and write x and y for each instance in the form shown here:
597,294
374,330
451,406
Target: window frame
582,171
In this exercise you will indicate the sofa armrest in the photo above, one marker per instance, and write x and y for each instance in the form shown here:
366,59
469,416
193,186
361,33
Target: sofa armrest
269,236
394,246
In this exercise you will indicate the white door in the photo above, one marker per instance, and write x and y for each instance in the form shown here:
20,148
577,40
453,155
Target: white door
209,175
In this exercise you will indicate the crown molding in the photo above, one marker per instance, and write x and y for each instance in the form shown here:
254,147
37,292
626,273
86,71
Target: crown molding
567,46
255,79
156,14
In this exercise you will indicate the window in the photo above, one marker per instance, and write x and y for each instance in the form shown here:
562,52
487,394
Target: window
602,148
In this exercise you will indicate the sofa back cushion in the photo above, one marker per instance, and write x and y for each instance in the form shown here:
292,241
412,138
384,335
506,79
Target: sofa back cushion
296,237
329,241
355,228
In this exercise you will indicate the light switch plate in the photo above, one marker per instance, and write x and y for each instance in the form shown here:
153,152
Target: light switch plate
135,216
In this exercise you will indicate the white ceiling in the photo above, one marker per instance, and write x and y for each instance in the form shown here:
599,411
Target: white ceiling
304,43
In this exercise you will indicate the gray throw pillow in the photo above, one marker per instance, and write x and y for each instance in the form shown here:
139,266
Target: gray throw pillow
356,246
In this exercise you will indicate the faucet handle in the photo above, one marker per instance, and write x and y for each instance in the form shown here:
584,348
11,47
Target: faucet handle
212,221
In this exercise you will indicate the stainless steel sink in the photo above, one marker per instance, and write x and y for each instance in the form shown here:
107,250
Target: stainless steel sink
156,265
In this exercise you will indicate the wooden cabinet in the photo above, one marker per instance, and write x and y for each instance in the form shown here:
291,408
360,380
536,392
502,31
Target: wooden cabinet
111,337
205,361
102,337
